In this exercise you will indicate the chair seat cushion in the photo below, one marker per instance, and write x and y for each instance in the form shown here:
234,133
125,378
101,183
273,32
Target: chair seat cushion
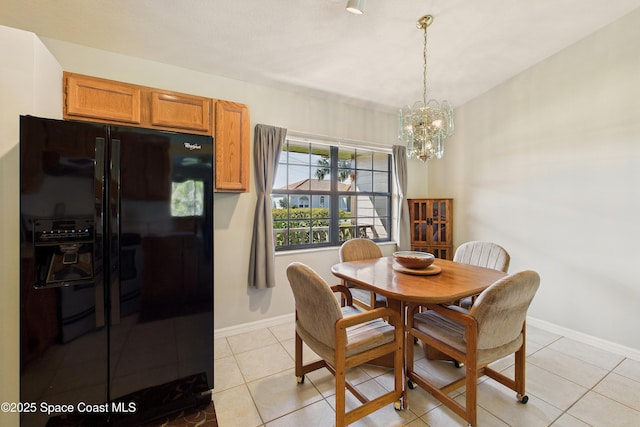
365,336
364,296
451,333
360,338
350,310
466,302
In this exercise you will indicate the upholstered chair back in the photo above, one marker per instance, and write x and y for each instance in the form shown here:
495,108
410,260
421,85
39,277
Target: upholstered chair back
317,309
483,254
501,309
359,248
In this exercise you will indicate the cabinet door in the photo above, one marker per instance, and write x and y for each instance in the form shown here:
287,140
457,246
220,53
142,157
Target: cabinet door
177,111
420,228
440,214
431,226
104,100
231,147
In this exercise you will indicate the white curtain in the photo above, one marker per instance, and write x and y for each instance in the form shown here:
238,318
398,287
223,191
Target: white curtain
268,142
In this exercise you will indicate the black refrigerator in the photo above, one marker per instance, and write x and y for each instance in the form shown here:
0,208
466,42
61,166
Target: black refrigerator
116,253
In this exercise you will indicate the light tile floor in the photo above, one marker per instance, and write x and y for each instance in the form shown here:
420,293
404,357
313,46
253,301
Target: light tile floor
569,384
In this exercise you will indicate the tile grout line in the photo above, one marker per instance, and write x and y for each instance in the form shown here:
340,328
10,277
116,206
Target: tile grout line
246,384
564,412
610,398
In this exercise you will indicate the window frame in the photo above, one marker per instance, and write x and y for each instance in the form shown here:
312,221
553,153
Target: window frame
333,195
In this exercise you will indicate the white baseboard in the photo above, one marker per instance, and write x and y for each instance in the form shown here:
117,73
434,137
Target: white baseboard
600,343
252,326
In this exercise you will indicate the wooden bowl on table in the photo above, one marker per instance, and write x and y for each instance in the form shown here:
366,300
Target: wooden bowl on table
413,259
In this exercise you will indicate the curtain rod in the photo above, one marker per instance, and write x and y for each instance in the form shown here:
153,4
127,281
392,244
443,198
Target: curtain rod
309,137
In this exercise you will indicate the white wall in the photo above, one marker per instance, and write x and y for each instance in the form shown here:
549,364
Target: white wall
548,165
30,83
235,303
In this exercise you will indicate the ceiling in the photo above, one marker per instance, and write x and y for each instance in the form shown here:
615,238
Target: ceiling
315,46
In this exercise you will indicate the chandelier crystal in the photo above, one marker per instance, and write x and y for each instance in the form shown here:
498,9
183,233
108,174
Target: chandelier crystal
425,126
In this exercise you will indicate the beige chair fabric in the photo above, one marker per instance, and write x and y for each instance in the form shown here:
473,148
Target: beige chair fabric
492,329
482,254
344,337
355,250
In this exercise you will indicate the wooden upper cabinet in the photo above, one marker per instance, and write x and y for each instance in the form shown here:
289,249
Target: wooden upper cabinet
179,111
232,147
108,101
99,99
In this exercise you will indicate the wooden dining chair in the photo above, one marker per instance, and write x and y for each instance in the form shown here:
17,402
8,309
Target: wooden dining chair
344,337
493,328
355,250
481,254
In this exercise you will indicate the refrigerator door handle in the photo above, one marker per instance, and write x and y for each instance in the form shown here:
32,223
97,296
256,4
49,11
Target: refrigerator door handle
98,242
114,232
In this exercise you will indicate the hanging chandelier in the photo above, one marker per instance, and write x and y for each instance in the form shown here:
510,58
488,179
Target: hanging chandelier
425,126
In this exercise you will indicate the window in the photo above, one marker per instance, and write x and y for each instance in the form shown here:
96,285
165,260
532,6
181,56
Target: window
187,198
324,195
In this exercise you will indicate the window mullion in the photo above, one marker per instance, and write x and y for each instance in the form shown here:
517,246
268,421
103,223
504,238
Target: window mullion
334,212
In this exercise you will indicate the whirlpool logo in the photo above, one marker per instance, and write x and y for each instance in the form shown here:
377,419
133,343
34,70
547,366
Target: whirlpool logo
191,146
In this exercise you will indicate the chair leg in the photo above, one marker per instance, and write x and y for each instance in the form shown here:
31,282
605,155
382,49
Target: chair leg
340,377
409,354
298,359
520,375
471,367
300,368
471,392
521,366
468,411
398,373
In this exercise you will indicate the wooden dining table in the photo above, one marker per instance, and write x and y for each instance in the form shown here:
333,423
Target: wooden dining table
455,280
380,275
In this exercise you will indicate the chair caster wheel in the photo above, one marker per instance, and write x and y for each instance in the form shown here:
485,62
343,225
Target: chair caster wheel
300,379
458,364
397,405
411,384
523,398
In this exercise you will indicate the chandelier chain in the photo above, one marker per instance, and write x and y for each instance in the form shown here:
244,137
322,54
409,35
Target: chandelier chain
424,68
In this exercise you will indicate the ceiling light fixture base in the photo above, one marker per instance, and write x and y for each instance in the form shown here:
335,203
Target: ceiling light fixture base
355,6
424,22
